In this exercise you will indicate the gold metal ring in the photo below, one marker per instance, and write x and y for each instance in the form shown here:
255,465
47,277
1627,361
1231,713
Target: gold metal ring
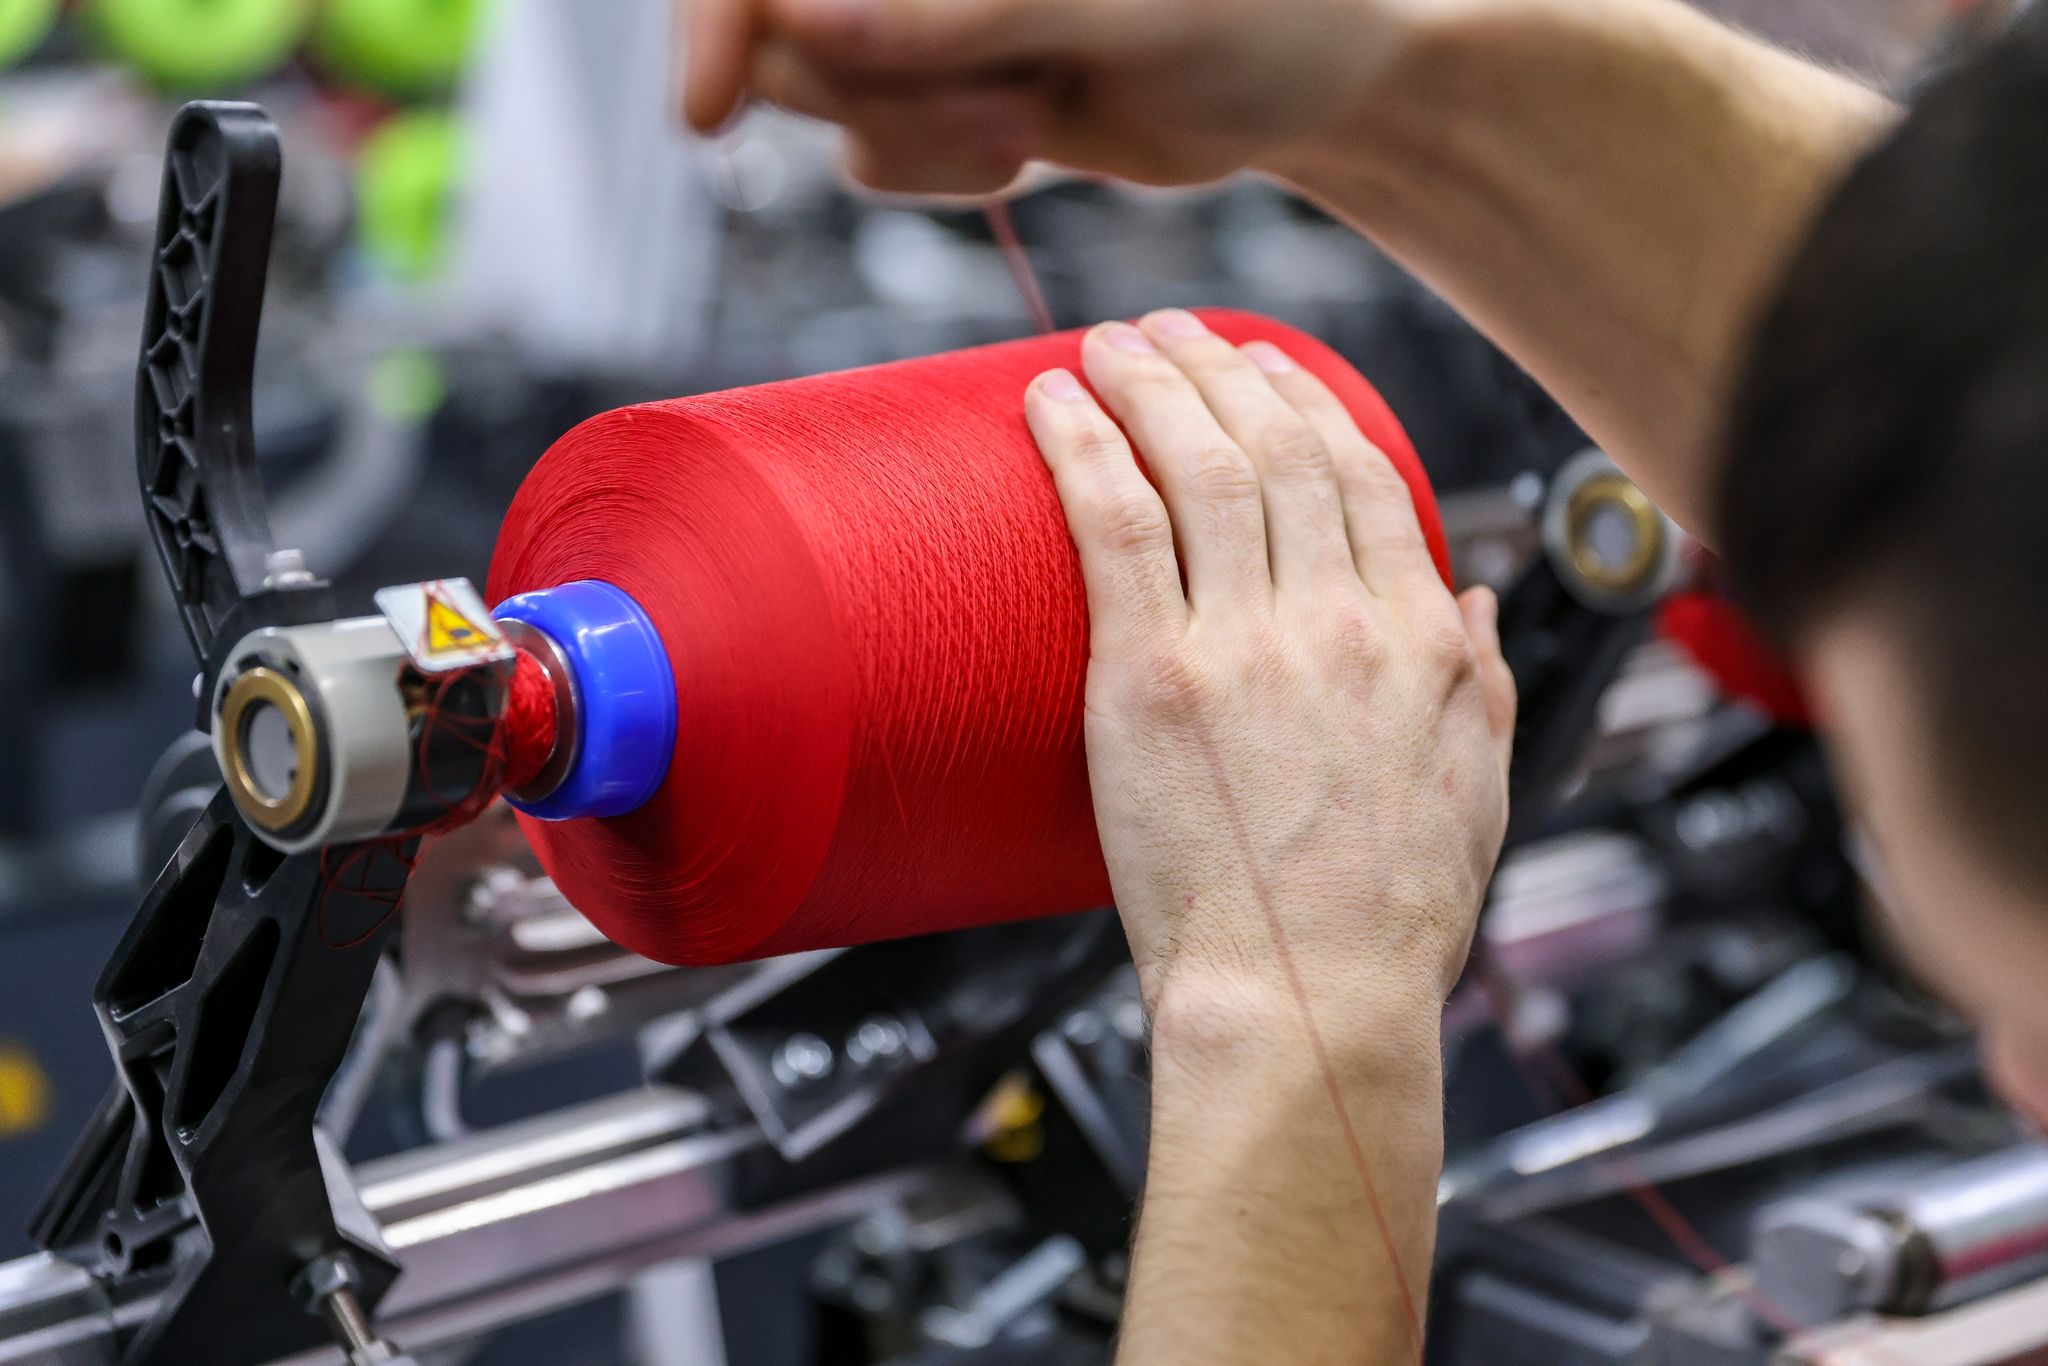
247,696
1598,494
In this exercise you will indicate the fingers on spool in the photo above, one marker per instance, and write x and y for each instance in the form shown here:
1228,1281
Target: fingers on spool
1305,531
1210,485
1379,511
1119,523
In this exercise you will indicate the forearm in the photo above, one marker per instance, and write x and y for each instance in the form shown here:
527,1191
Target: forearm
1259,1240
1609,189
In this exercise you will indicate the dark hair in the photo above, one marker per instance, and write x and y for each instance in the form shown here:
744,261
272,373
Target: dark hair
1888,441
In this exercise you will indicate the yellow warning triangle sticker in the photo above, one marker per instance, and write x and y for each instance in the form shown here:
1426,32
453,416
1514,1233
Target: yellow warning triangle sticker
448,631
442,623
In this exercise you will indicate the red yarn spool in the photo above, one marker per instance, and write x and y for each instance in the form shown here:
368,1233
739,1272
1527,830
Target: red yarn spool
1715,635
877,627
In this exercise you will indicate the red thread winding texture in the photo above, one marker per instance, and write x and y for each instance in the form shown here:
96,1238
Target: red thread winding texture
528,726
876,621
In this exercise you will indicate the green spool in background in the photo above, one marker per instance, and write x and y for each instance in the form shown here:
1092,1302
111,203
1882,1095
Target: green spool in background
23,26
406,173
401,47
201,44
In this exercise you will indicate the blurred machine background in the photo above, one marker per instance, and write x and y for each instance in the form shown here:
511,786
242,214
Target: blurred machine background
1694,1116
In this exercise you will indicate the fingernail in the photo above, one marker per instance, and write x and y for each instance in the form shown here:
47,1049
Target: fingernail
1062,385
1124,337
1268,357
1177,322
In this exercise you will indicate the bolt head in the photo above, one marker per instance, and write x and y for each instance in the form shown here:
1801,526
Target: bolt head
327,1275
879,1038
285,568
803,1059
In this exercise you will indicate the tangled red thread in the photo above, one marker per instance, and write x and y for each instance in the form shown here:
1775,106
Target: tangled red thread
515,743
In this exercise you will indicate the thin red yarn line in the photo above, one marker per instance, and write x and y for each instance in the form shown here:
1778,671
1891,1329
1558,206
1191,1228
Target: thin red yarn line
1283,952
1004,227
1565,1089
1019,261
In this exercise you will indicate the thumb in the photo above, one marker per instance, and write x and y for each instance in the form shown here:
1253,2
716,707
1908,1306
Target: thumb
717,40
1480,608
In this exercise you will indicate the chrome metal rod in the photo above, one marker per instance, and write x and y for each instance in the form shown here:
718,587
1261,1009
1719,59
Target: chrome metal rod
496,1228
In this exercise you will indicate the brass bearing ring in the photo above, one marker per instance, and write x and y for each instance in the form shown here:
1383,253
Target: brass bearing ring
246,699
1610,492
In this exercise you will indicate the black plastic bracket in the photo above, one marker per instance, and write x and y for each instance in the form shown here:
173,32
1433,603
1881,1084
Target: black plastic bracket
195,448
230,1001
228,1005
1564,655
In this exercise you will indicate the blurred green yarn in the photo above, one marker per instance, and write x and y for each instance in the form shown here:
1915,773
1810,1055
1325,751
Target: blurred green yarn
23,26
406,173
201,45
407,385
400,47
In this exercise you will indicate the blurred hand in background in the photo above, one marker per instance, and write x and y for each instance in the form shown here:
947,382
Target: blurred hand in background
955,96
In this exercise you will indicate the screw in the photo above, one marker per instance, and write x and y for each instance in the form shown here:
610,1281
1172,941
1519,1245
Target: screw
350,1324
285,569
1707,822
498,888
330,1281
879,1038
802,1060
1084,1027
327,1275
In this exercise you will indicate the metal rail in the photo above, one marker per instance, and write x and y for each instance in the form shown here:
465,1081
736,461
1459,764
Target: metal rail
498,1227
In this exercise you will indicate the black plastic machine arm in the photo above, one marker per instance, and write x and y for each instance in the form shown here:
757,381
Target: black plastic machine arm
231,998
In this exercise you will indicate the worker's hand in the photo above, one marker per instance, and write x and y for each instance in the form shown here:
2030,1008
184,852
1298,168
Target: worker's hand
1299,760
954,96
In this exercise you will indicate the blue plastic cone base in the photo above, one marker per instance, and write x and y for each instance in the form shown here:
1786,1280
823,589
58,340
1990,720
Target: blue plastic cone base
626,697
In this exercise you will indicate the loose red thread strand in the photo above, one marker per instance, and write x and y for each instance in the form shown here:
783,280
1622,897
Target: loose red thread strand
1004,228
1283,952
1019,261
1563,1089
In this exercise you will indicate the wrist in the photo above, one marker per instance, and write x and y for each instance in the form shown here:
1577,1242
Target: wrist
1232,1029
1273,1202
